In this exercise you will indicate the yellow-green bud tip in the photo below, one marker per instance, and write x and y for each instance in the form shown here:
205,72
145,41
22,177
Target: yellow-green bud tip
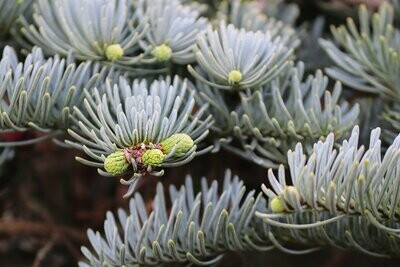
153,157
235,76
277,205
114,52
116,163
182,142
162,52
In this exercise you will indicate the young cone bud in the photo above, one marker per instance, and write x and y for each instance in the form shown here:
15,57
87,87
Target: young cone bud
235,77
114,52
162,53
276,205
183,143
116,163
153,157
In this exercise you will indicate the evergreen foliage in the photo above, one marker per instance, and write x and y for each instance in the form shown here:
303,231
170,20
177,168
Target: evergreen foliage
142,86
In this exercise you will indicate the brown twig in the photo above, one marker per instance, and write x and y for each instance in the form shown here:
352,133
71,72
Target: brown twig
42,253
20,227
56,229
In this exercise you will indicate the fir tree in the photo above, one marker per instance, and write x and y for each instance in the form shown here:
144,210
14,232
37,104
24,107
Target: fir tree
143,86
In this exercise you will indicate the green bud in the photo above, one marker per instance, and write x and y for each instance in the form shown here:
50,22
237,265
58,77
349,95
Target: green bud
235,76
183,143
153,157
114,52
162,52
116,163
277,205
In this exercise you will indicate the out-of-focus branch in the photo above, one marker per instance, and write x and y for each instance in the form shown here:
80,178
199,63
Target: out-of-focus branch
20,227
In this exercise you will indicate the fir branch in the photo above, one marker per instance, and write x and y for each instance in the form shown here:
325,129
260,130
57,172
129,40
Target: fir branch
197,229
268,122
390,121
349,181
281,10
220,103
369,56
9,12
238,59
278,116
39,93
122,123
100,30
249,16
310,52
173,29
353,232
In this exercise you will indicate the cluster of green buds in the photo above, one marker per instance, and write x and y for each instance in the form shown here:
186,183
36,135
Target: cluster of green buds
147,156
